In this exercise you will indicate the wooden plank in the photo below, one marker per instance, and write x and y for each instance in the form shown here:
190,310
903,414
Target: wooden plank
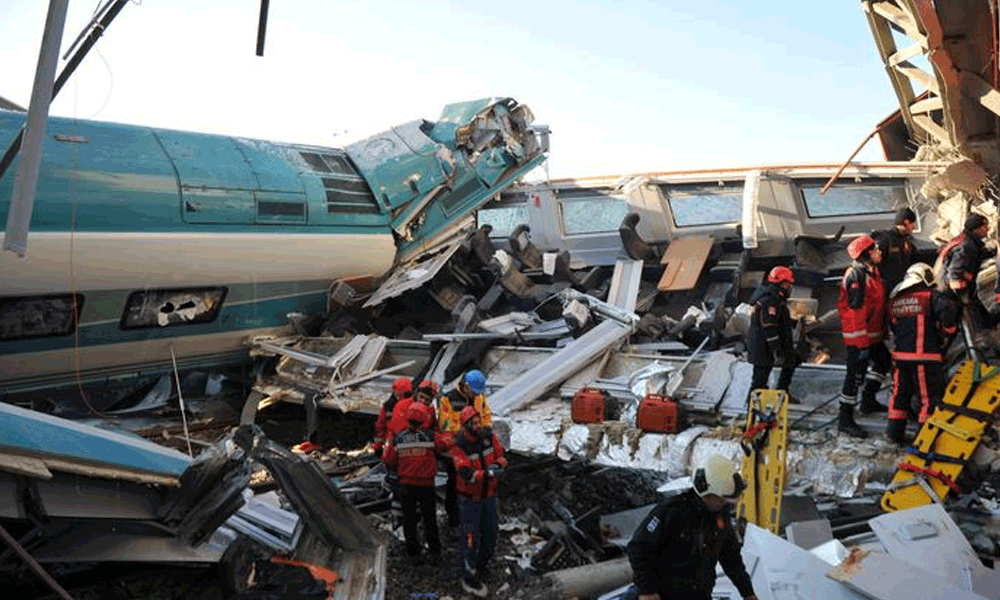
899,16
919,75
906,54
928,125
682,263
974,85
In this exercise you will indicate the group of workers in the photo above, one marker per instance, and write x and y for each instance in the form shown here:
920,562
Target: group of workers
412,438
883,290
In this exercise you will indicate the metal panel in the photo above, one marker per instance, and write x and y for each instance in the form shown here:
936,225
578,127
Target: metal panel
928,537
625,284
79,497
885,577
682,263
782,571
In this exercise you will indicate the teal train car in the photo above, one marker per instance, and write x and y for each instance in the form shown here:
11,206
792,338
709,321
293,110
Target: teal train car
149,245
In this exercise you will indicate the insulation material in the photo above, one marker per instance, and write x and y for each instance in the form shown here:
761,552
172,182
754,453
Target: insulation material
535,436
703,447
650,379
573,444
678,454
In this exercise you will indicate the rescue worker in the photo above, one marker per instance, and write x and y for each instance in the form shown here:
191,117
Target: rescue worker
896,245
413,453
862,322
470,391
401,388
923,321
673,552
396,411
958,266
770,336
427,393
479,461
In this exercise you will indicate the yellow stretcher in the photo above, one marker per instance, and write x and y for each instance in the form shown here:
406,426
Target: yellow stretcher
947,439
765,448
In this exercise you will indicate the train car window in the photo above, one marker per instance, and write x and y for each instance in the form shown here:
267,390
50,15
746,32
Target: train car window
316,162
694,206
39,316
591,212
281,209
853,198
169,307
349,196
503,219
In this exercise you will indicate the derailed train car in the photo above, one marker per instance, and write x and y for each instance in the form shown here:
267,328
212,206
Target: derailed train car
150,245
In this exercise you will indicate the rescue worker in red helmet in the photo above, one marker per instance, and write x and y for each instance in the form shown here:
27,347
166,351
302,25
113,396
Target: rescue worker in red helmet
862,311
427,393
479,461
770,336
675,549
401,388
395,414
470,391
924,322
413,453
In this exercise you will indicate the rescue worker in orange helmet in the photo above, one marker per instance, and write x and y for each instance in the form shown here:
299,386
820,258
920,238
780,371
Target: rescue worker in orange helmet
470,391
770,336
862,311
427,393
479,462
402,390
924,321
413,453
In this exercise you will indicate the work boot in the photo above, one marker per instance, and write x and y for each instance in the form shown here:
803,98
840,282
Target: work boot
846,423
869,405
474,587
896,431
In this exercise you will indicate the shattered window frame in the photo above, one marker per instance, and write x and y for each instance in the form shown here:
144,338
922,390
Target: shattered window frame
499,217
697,195
144,308
585,212
836,204
67,322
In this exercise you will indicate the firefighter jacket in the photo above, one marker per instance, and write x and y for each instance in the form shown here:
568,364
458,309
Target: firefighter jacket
959,263
923,321
770,333
862,305
453,402
897,255
398,421
413,453
382,423
674,550
473,456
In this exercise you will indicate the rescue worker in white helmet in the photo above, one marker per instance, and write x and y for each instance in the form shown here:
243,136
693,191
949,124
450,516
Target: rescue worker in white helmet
924,322
674,550
769,338
862,322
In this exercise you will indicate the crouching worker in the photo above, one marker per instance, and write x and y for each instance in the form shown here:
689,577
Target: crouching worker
674,550
413,453
479,461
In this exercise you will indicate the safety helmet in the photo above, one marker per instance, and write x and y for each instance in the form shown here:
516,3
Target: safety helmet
402,386
417,411
717,475
428,386
466,415
476,381
781,275
858,247
917,273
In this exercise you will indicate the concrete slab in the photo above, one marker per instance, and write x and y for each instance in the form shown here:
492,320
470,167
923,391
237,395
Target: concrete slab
885,577
809,534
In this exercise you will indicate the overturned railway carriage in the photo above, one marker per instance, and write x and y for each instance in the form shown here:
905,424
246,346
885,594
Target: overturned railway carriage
149,245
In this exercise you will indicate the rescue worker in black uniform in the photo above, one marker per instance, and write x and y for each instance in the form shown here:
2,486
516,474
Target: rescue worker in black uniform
863,324
770,334
958,266
924,322
674,550
898,250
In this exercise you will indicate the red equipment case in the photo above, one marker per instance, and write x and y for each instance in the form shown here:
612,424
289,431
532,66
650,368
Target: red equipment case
657,414
591,405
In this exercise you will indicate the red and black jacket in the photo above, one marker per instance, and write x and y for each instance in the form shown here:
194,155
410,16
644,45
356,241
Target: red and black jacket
862,305
960,260
473,455
413,453
923,321
770,333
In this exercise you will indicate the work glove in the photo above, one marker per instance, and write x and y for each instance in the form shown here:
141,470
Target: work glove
998,297
494,470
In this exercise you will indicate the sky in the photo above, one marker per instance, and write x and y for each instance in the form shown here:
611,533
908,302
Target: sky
625,86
